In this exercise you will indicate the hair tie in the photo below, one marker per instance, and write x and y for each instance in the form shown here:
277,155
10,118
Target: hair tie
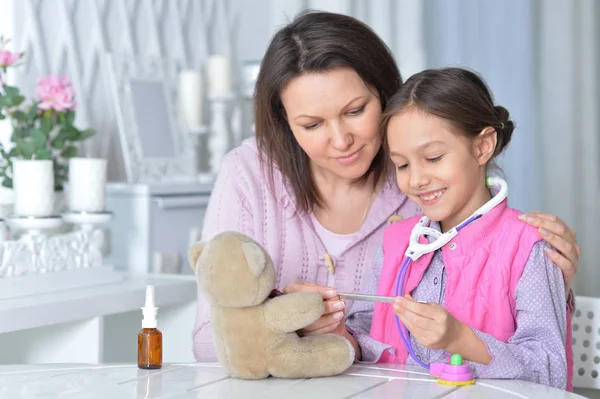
502,125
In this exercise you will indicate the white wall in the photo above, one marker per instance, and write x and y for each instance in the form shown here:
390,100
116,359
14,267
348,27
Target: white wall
540,59
70,38
569,124
496,39
66,37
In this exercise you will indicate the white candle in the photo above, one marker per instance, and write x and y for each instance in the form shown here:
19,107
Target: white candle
33,185
219,75
191,97
87,185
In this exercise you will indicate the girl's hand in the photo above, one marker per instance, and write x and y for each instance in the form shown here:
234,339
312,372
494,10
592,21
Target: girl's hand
429,323
332,319
562,238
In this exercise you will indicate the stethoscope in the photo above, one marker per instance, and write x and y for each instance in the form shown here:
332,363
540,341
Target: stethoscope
416,249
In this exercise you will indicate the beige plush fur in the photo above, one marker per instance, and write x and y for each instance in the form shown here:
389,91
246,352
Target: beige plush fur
255,336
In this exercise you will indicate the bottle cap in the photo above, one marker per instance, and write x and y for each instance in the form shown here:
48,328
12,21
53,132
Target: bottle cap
149,310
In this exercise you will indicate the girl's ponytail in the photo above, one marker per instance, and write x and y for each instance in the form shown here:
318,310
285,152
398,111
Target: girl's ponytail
504,128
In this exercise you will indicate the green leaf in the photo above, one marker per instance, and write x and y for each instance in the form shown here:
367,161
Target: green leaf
69,133
25,148
19,116
87,133
16,101
11,91
43,153
33,111
69,152
2,117
38,138
7,182
69,117
58,144
19,133
46,126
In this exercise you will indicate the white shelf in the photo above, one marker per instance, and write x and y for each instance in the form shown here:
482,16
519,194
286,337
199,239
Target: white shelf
97,323
45,283
184,187
93,301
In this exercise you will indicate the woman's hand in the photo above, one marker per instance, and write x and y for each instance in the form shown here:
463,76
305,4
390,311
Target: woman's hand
333,315
562,238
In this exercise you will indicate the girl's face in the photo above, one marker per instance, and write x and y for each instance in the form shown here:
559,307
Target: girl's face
335,118
443,172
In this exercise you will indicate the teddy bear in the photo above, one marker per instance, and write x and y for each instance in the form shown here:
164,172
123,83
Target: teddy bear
254,333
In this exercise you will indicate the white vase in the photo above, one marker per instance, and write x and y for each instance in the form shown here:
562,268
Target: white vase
87,185
33,187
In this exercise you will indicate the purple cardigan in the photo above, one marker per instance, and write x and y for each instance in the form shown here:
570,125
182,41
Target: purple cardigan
243,201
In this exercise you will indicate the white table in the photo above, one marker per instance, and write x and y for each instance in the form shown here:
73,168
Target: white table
209,381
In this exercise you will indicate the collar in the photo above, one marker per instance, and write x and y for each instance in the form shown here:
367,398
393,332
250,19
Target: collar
470,236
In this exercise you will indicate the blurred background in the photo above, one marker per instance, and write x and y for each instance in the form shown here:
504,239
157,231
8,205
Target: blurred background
540,57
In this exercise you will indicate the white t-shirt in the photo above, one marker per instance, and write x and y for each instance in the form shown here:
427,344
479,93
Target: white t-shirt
334,243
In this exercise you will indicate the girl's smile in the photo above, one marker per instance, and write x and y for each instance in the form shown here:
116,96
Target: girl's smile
432,197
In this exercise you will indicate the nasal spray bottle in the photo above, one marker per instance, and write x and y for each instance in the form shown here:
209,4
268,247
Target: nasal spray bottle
150,338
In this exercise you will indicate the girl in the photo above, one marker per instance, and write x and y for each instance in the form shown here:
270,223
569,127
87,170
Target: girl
491,294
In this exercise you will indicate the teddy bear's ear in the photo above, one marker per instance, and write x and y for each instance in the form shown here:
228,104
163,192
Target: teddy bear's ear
255,257
194,253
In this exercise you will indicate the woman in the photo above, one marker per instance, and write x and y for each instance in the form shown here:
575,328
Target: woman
314,186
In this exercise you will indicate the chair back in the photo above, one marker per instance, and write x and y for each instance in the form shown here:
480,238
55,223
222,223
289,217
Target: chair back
586,343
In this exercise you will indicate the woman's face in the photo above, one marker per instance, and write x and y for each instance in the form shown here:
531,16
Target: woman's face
335,118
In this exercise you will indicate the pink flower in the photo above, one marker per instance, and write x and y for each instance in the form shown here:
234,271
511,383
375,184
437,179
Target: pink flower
8,58
56,93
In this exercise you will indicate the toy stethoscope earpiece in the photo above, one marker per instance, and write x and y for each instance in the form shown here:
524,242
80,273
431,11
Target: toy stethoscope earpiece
416,250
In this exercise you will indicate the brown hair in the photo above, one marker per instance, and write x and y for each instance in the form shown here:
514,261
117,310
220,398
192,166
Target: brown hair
457,95
315,42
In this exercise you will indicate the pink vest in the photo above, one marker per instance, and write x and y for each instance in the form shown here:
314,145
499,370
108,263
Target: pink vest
483,263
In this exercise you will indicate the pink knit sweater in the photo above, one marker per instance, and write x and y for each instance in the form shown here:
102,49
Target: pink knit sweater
242,201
